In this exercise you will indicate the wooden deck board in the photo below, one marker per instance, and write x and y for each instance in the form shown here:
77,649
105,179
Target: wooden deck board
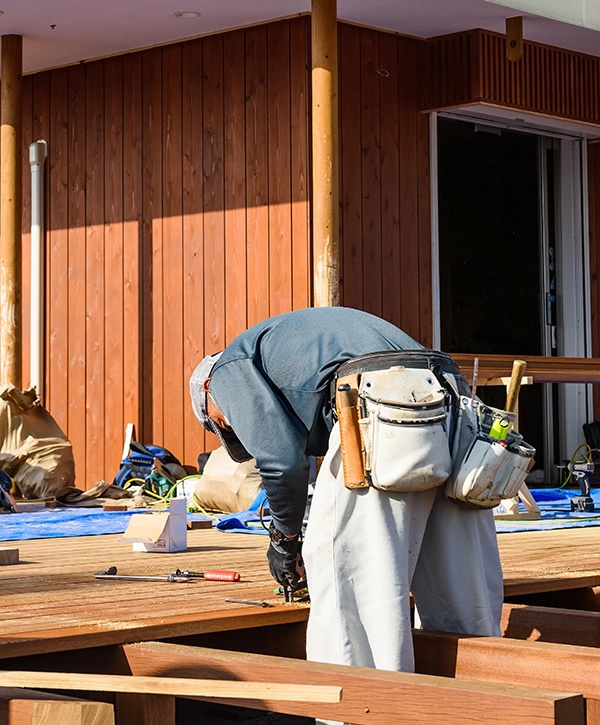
51,602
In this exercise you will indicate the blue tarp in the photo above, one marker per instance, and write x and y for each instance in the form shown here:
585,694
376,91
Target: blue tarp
555,506
52,523
250,521
66,521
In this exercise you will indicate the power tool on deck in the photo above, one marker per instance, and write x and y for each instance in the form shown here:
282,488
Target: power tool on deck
581,472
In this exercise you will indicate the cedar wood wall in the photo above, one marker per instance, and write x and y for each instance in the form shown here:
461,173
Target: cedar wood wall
177,215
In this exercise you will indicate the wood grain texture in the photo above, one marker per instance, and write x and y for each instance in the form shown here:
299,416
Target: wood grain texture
144,709
279,138
113,270
351,225
551,624
562,667
257,170
58,270
95,271
173,366
541,369
366,692
19,706
51,601
77,251
234,150
174,686
551,81
300,162
193,237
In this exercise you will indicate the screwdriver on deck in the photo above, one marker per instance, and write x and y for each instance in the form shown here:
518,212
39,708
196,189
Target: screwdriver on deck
177,576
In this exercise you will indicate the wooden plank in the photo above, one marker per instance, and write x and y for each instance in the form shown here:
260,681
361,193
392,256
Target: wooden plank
144,709
257,213
351,238
19,706
95,270
505,661
370,696
77,393
551,624
234,150
176,395
193,239
175,686
390,173
278,139
57,260
424,211
542,369
409,229
113,265
132,236
151,428
371,170
214,213
300,160
51,601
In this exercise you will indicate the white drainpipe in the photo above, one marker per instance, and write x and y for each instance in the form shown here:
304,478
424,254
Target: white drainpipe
37,158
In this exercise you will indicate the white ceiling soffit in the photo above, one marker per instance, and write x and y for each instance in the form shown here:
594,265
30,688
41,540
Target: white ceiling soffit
61,32
578,12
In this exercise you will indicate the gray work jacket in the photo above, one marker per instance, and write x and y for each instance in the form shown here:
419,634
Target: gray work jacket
272,384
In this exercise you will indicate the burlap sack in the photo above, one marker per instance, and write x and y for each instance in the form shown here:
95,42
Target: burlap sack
33,449
225,485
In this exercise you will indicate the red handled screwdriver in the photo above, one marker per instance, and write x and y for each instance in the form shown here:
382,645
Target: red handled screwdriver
217,575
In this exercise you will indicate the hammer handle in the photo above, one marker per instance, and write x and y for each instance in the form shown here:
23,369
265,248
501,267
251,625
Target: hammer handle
512,395
351,443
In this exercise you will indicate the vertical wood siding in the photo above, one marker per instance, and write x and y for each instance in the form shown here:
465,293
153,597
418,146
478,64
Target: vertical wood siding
177,215
178,182
472,67
385,185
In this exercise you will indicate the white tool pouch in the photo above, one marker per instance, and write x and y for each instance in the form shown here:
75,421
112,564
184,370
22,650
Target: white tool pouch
486,470
403,426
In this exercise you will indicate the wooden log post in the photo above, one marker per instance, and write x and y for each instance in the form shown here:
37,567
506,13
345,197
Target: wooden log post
325,163
10,209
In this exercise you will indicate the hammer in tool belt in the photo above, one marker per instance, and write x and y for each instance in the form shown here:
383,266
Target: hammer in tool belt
500,428
350,436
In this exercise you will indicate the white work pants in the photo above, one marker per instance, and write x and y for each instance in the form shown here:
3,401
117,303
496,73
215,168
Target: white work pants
366,549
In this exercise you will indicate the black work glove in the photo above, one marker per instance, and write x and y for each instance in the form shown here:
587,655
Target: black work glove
285,560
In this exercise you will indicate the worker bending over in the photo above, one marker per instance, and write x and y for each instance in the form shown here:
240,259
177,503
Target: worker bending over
268,396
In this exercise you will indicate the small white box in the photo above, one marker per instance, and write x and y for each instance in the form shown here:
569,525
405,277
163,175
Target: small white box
159,531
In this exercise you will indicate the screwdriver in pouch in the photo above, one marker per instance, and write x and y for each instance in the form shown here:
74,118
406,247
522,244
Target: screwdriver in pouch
217,575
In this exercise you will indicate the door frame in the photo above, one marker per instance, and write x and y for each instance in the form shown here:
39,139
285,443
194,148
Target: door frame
574,340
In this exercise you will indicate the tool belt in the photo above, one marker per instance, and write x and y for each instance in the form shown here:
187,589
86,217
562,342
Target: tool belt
396,409
408,423
486,470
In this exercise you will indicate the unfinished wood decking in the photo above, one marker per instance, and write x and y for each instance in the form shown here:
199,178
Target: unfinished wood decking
52,607
50,601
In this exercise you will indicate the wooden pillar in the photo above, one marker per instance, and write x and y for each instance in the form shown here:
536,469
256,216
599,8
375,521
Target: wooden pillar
325,164
11,72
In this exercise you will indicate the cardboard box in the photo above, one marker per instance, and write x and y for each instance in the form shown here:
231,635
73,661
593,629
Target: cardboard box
159,531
